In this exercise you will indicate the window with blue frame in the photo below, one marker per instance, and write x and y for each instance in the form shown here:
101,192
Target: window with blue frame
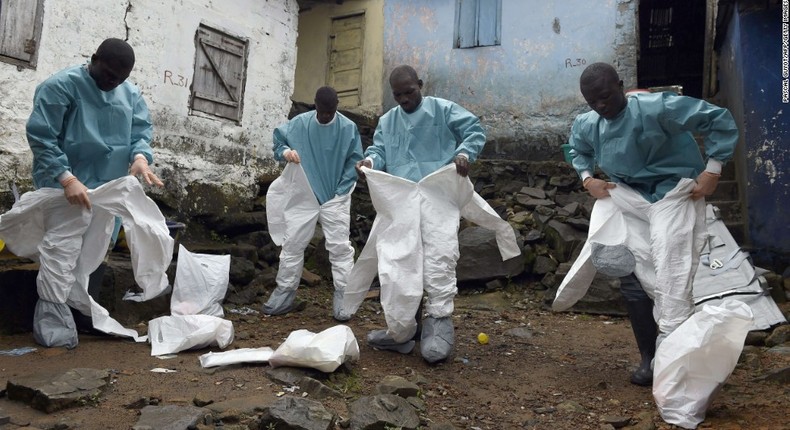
477,23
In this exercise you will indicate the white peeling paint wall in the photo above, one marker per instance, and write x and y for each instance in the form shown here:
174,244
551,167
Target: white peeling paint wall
188,148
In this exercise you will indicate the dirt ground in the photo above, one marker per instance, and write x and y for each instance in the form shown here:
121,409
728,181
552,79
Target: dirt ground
571,373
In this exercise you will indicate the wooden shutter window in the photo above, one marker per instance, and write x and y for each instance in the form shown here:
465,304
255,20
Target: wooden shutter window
20,30
220,73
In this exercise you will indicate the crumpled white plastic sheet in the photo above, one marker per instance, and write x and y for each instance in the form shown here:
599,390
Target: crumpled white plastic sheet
394,249
324,351
176,333
22,229
626,218
693,362
236,356
201,283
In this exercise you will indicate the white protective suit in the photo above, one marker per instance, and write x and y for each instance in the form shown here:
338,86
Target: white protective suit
292,211
414,243
70,242
666,238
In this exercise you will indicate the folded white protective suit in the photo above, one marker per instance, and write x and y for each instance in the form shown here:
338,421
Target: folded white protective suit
236,356
324,351
150,244
394,249
176,333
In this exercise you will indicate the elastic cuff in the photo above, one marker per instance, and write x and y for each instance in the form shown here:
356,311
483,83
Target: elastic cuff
714,166
65,175
586,174
136,156
463,154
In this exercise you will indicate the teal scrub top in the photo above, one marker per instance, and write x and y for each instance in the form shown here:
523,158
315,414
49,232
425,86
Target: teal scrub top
650,145
94,134
328,152
414,145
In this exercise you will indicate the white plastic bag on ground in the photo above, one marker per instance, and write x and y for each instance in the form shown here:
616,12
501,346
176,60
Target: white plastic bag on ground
324,351
235,356
171,334
693,362
201,283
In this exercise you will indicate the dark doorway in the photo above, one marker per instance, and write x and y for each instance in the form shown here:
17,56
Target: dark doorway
672,44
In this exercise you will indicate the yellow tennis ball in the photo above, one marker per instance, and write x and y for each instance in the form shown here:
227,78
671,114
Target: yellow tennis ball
482,338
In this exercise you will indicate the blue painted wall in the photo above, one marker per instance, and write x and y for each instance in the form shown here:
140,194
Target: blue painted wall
751,83
526,89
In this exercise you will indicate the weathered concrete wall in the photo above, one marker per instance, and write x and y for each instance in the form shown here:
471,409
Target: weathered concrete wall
526,89
751,87
190,149
313,46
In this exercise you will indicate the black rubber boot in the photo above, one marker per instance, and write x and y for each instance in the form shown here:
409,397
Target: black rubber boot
640,312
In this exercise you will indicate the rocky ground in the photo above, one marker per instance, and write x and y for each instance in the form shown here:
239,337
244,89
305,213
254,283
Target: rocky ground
539,370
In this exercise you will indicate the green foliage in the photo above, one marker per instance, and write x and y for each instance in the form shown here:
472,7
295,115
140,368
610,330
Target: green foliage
346,383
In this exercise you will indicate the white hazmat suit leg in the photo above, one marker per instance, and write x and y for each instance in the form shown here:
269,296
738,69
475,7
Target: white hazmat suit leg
335,217
676,253
59,252
291,214
413,244
442,197
291,264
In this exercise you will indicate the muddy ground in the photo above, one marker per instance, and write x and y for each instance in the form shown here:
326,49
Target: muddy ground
572,373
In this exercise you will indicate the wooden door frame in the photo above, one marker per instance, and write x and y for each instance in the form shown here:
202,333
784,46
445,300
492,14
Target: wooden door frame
328,71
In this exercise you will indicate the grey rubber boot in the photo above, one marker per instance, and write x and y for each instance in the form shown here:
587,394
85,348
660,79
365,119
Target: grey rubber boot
437,339
380,340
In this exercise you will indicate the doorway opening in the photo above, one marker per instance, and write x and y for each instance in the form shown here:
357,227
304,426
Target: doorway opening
672,36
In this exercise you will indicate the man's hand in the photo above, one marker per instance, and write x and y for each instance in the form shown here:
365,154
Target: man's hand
292,156
461,165
598,188
706,185
360,164
76,193
140,168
